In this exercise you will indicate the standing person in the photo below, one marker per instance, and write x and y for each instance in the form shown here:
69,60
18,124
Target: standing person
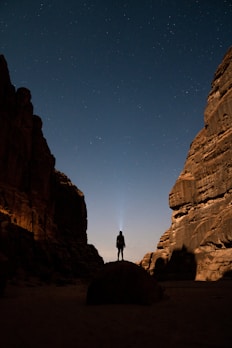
120,244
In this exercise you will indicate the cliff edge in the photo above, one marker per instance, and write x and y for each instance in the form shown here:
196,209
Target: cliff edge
43,216
201,199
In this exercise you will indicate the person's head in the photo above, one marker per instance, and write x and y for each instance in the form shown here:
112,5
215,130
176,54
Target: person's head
120,232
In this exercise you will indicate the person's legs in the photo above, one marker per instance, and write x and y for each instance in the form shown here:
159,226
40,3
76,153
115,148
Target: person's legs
120,251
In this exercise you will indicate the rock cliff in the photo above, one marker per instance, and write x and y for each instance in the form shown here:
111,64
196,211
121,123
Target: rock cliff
43,217
201,198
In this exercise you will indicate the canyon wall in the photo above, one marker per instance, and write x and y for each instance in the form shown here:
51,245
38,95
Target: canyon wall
201,199
43,216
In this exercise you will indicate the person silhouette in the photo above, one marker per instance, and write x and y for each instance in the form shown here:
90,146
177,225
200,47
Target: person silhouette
120,244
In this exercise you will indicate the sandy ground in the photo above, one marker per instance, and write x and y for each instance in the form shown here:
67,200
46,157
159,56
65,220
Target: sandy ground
195,314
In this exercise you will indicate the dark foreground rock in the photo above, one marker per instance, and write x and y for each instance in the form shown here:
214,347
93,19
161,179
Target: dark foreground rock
123,283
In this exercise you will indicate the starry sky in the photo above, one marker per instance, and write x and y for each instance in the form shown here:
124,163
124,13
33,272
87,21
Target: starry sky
121,88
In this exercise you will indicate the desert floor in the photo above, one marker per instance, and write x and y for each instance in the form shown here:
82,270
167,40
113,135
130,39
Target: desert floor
194,314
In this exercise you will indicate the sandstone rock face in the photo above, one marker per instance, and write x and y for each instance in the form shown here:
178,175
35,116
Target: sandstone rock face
201,198
41,211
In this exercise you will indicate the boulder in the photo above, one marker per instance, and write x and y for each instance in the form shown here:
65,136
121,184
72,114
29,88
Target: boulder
123,282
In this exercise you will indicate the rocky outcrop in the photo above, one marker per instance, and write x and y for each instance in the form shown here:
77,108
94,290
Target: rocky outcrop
123,283
201,198
43,217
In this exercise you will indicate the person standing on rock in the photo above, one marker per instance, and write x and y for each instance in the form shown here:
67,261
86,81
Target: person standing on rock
120,244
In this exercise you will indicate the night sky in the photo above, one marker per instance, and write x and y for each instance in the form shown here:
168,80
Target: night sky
121,87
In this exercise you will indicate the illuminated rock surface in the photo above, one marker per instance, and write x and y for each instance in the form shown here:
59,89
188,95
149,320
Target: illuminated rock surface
43,218
201,198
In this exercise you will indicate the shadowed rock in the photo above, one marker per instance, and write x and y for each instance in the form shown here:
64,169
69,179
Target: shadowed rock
43,216
123,283
3,273
181,266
